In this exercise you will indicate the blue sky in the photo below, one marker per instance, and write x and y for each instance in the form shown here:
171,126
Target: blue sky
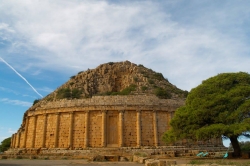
47,42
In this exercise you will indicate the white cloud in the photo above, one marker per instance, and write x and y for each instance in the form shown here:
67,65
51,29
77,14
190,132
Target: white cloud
15,102
73,36
8,90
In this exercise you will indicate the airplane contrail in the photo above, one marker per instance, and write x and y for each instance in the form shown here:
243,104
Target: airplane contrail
21,76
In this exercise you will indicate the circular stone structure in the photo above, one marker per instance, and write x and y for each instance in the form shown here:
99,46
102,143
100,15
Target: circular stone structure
100,121
116,106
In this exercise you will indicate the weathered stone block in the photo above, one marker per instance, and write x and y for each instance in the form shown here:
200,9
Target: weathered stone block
171,162
3,157
18,157
141,160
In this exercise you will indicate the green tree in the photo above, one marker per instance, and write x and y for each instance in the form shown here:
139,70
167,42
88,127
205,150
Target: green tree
244,146
219,107
5,144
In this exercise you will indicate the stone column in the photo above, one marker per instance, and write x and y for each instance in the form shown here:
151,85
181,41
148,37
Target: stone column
138,127
155,128
121,127
44,130
104,117
34,132
12,140
18,140
86,140
25,132
168,120
71,130
15,143
57,129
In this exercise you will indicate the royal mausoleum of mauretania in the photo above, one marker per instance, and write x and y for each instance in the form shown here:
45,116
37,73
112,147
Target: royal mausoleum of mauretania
115,105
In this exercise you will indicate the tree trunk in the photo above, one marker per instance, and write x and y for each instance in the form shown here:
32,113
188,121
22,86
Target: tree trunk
236,146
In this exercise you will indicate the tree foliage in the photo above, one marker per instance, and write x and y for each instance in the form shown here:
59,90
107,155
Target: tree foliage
245,146
220,106
5,144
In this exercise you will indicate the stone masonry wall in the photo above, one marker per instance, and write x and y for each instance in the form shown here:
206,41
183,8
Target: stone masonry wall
50,131
39,131
163,125
95,128
79,130
129,129
102,121
147,124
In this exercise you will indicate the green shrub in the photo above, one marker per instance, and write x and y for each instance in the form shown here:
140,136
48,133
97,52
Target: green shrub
140,65
151,81
143,88
128,90
125,91
68,93
142,72
63,93
115,93
136,79
36,101
76,94
162,93
158,76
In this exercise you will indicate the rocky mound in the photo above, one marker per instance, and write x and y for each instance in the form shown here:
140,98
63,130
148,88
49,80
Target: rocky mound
120,78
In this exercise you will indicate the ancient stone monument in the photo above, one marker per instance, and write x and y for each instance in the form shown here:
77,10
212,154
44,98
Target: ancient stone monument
115,105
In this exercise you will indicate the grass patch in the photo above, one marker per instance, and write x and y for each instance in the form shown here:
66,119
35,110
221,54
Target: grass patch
151,81
196,162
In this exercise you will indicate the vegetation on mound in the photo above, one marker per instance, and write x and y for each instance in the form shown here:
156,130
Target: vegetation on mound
162,93
93,82
36,101
125,91
69,93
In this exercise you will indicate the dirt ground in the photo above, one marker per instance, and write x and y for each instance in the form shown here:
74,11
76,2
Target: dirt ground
37,162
